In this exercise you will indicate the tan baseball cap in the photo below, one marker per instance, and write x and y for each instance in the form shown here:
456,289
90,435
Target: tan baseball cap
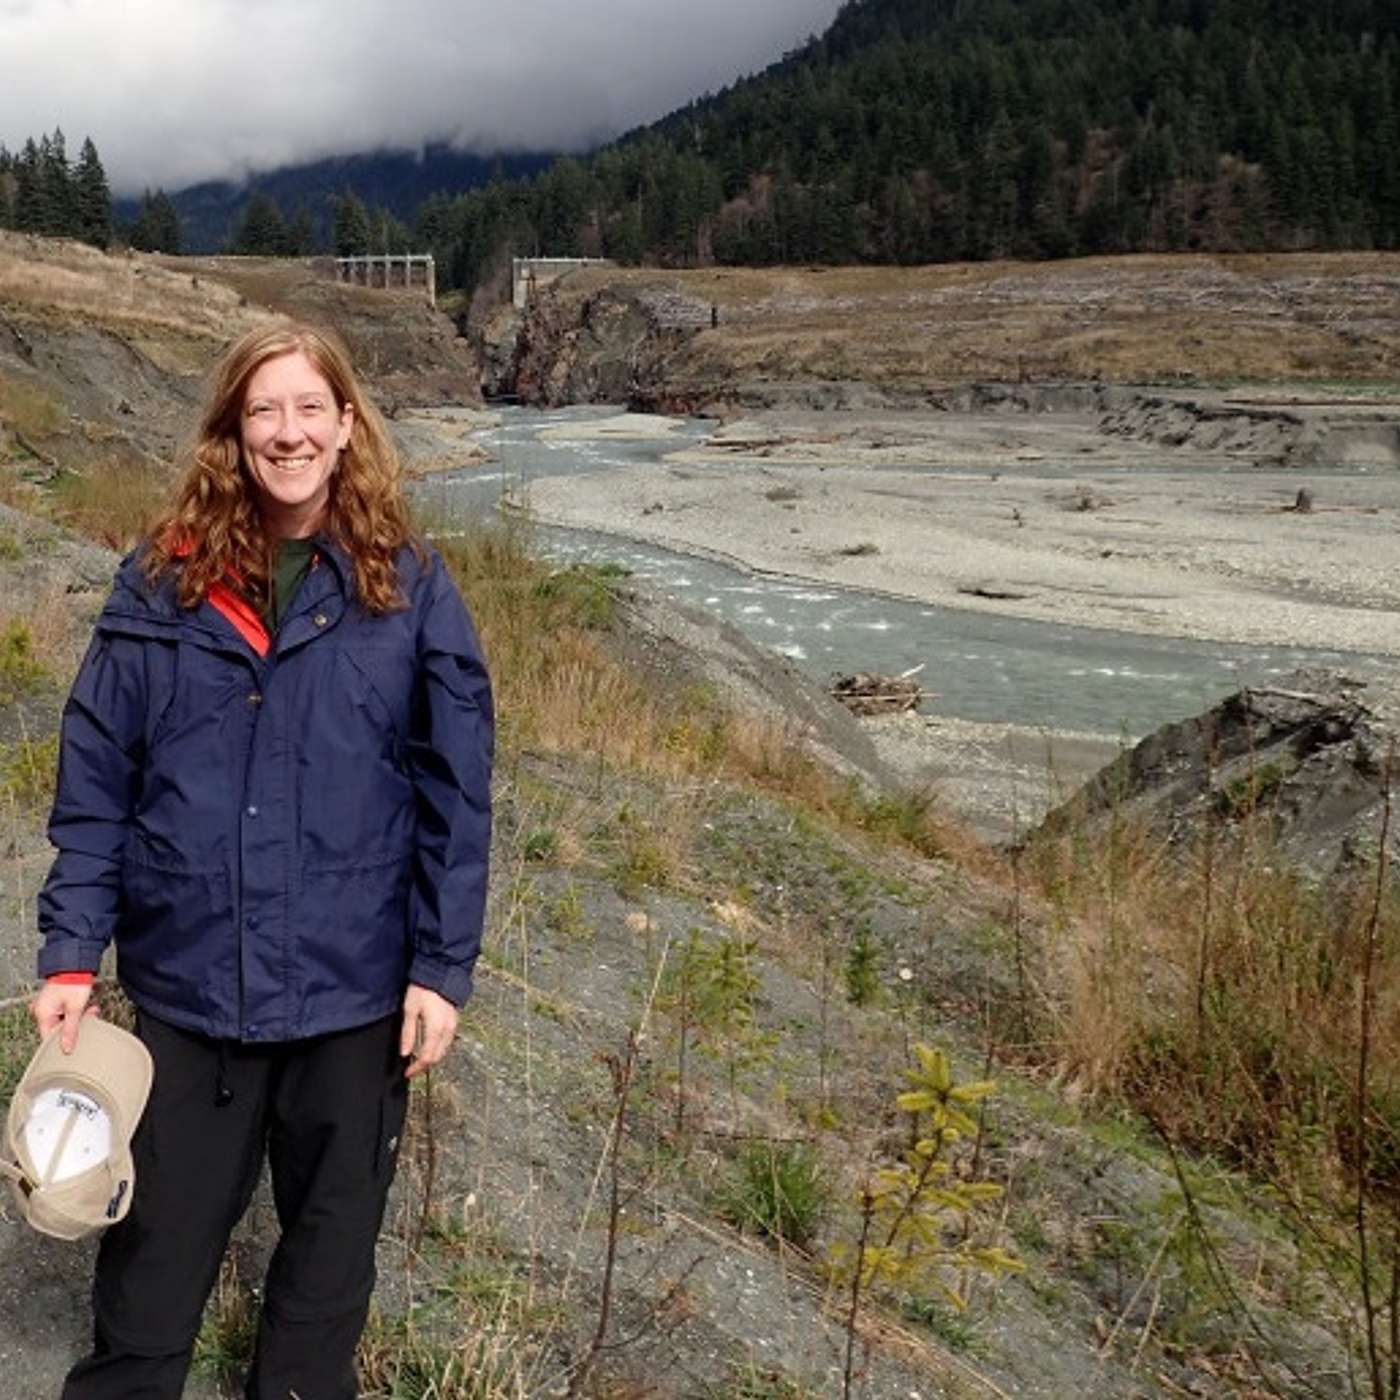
68,1133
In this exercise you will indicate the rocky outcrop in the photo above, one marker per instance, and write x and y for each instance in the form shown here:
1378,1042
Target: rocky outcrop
1174,421
634,344
81,393
1062,339
1304,763
600,349
1373,441
497,344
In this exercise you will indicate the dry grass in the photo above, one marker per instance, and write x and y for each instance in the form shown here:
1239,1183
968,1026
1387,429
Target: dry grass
56,631
20,666
113,502
1222,995
28,408
1139,319
112,497
1254,1015
52,279
481,1357
282,282
28,770
224,1347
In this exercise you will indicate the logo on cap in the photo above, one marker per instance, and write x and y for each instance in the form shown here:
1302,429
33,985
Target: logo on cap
114,1206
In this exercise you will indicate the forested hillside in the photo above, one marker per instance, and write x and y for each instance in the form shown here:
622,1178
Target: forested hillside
42,191
293,210
925,130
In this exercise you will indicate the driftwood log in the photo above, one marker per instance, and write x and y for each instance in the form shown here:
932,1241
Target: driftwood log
869,693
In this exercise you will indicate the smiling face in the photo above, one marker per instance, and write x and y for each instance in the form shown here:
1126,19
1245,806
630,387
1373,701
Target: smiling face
291,431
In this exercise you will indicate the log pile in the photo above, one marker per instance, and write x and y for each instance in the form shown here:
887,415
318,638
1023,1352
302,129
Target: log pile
869,693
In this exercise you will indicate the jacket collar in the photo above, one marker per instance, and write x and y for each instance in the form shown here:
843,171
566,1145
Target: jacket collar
136,600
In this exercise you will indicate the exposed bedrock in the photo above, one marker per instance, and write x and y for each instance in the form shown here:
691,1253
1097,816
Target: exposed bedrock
1304,762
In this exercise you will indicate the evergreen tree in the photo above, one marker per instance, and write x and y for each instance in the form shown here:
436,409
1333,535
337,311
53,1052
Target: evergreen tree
167,222
836,225
386,233
906,235
93,198
564,194
157,226
1035,172
58,198
41,193
350,227
263,230
301,234
622,238
30,211
435,227
7,188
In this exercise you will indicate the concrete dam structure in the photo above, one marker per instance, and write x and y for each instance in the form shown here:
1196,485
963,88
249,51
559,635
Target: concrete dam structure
528,275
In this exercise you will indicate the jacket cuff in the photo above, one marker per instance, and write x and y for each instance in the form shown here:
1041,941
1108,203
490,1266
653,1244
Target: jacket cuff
71,979
69,955
451,981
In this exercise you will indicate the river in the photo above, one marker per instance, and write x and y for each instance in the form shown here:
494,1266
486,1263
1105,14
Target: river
977,667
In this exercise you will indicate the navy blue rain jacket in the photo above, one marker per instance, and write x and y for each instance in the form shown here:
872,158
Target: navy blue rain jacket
278,844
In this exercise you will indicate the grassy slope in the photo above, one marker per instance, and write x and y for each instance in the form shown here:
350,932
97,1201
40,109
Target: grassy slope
636,818
1192,319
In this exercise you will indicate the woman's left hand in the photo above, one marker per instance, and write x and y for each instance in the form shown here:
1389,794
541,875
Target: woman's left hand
429,1028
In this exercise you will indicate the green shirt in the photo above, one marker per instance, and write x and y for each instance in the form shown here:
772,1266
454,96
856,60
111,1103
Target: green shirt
290,562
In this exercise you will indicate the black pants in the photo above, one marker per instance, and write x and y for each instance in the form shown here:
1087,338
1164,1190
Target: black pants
328,1113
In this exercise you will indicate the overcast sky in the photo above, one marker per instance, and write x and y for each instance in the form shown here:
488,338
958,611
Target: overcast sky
177,91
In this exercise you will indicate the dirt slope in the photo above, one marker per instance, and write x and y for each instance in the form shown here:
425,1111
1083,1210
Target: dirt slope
102,357
411,355
498,1233
897,337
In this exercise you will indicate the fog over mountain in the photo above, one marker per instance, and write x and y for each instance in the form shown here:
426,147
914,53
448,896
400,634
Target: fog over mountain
177,93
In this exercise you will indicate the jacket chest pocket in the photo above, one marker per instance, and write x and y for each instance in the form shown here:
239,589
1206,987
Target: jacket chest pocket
194,692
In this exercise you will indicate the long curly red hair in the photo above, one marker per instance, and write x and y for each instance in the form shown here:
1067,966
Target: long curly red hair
213,531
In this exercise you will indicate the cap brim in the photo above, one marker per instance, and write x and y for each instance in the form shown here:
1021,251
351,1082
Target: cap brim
74,1208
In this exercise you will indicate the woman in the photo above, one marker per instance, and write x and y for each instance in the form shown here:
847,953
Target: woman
274,796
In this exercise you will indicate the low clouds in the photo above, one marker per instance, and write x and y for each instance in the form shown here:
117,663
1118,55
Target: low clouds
175,93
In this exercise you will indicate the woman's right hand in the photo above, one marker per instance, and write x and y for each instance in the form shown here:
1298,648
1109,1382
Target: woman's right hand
62,1004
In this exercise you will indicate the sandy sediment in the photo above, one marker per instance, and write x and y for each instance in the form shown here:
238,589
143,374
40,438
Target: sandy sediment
440,439
1043,517
619,427
1001,779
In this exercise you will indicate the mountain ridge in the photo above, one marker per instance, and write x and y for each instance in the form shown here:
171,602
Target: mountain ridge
400,181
